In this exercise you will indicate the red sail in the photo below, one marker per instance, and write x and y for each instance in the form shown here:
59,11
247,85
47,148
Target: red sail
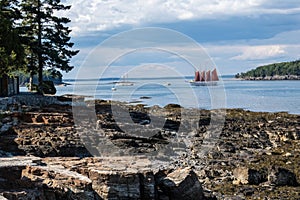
208,78
214,75
197,76
202,76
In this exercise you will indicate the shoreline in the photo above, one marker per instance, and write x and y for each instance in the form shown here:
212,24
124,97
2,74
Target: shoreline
62,83
271,78
68,98
40,140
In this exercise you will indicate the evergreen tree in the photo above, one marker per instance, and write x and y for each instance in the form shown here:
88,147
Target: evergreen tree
46,36
281,69
11,49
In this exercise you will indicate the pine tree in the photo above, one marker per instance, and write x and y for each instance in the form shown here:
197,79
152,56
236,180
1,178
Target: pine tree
11,49
46,37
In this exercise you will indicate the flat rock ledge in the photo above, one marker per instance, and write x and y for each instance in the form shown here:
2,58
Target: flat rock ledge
95,178
256,156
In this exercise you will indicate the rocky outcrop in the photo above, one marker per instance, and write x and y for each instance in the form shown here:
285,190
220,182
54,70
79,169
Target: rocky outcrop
182,184
30,178
239,165
93,178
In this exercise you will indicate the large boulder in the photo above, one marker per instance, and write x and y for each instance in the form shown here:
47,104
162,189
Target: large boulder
47,87
245,175
279,176
182,184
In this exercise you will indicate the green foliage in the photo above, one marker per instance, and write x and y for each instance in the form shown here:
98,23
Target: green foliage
281,69
11,49
47,36
48,75
33,39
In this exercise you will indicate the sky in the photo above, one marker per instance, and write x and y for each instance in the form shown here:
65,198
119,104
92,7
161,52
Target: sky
237,35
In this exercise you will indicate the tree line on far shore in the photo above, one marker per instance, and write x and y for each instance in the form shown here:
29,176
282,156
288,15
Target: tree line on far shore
33,40
24,78
276,69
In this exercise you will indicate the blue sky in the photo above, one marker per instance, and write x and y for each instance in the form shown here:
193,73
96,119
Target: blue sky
237,34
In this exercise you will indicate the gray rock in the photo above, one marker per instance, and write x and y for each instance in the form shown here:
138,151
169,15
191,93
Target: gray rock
5,127
282,177
244,175
182,184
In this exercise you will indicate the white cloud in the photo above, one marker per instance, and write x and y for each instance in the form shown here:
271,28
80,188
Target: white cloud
236,56
283,46
229,56
260,52
95,15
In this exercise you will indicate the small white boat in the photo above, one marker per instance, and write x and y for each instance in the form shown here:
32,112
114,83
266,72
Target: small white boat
124,81
113,89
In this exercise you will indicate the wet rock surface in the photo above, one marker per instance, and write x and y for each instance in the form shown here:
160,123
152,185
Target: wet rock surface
163,153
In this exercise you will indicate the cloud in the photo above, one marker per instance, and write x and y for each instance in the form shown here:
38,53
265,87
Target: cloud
260,52
236,56
229,56
95,15
282,46
238,34
285,38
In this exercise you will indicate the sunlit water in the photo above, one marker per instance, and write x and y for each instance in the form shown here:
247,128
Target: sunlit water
271,96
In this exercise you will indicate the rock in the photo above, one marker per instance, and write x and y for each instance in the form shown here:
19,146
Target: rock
248,191
114,179
3,198
182,184
172,106
60,181
244,175
288,154
5,127
47,87
279,176
44,127
123,185
6,119
11,171
31,178
48,134
235,197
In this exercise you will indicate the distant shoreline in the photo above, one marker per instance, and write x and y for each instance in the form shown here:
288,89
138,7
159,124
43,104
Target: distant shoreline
271,78
62,83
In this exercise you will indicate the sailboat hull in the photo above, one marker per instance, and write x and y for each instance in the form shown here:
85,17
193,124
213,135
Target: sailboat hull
203,83
124,83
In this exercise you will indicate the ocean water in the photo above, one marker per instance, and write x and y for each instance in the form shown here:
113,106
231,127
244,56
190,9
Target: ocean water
271,96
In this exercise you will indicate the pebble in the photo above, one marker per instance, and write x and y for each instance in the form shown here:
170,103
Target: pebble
288,154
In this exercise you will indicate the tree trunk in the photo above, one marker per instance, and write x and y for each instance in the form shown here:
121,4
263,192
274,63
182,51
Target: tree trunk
40,58
30,87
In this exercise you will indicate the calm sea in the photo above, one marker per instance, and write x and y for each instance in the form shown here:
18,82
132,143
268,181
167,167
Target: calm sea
271,96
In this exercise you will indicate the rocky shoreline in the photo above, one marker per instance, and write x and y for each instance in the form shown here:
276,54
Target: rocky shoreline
270,78
44,153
